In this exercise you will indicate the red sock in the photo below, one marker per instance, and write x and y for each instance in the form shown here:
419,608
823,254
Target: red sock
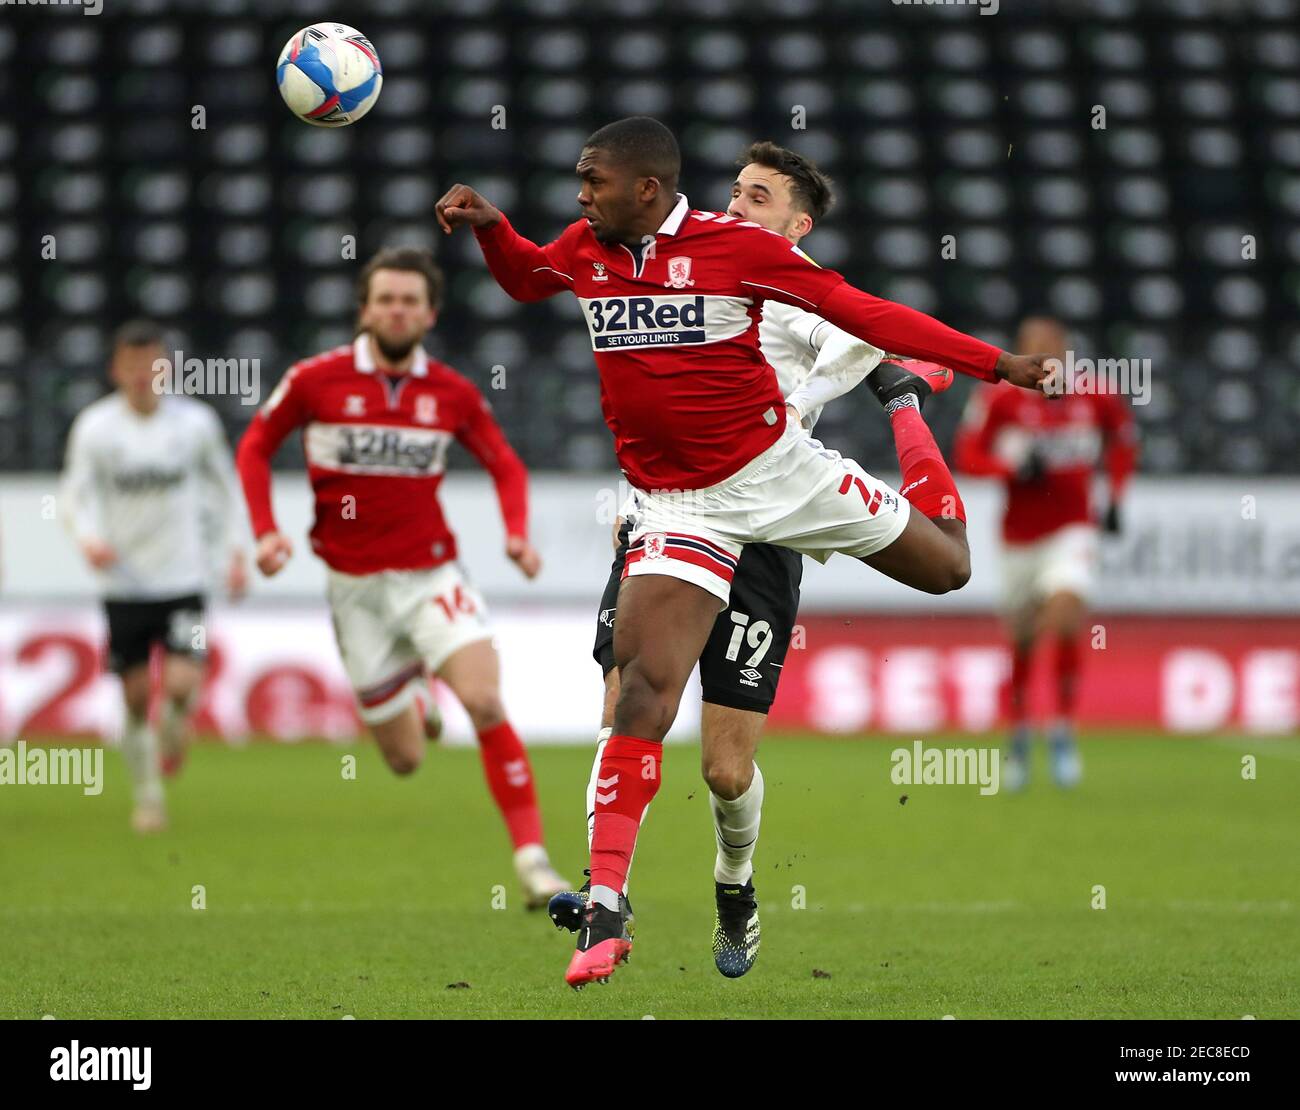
1067,674
627,782
927,481
1022,657
510,778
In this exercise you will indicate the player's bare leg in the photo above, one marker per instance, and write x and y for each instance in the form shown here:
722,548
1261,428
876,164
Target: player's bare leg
1060,620
663,625
401,739
473,673
728,742
181,677
926,557
140,750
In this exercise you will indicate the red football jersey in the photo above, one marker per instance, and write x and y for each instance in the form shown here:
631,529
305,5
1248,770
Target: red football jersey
376,447
674,329
1070,434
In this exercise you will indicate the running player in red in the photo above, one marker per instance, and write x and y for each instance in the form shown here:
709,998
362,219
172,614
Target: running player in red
672,298
1046,452
377,418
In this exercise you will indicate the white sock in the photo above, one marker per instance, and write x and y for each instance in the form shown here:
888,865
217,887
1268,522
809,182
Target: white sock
140,750
601,737
735,824
172,725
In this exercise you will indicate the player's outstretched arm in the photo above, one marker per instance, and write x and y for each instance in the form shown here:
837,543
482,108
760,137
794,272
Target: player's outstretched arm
774,269
524,270
906,331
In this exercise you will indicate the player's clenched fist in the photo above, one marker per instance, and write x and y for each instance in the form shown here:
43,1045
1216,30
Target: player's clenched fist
524,555
462,205
1026,371
273,551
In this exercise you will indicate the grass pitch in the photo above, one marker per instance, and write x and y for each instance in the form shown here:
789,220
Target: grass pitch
375,897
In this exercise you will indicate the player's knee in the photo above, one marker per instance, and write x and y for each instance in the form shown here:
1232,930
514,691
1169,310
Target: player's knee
960,574
726,778
137,702
484,708
951,573
645,705
403,762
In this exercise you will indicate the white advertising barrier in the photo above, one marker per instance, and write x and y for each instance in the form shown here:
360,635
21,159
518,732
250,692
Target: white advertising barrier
276,672
1214,545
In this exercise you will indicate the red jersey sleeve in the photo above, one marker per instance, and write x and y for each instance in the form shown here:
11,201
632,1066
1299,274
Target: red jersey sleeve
285,410
482,436
523,269
973,445
1121,447
773,268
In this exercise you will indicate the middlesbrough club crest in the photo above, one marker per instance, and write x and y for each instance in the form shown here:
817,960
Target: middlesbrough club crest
426,408
679,272
654,545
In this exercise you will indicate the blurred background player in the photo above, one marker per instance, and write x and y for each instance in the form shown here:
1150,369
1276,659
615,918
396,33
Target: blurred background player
378,417
740,668
148,490
1047,450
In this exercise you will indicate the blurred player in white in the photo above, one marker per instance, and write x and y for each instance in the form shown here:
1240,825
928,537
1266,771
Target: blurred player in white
149,494
1047,451
377,418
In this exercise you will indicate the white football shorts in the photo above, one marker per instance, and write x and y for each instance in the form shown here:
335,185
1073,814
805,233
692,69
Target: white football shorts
796,494
1062,561
395,626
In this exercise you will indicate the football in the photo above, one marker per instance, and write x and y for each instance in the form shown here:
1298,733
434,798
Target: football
329,74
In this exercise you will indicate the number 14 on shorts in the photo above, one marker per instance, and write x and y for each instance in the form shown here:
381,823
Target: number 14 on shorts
455,602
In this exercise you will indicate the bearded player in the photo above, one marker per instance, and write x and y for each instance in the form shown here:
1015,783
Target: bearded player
672,298
740,667
377,418
1046,452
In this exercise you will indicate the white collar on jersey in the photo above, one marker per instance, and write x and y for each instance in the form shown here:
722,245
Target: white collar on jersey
366,365
673,224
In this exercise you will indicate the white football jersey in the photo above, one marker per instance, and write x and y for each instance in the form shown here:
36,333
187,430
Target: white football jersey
815,361
159,489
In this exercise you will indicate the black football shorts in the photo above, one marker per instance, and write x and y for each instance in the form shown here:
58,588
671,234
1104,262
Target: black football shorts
741,664
135,626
